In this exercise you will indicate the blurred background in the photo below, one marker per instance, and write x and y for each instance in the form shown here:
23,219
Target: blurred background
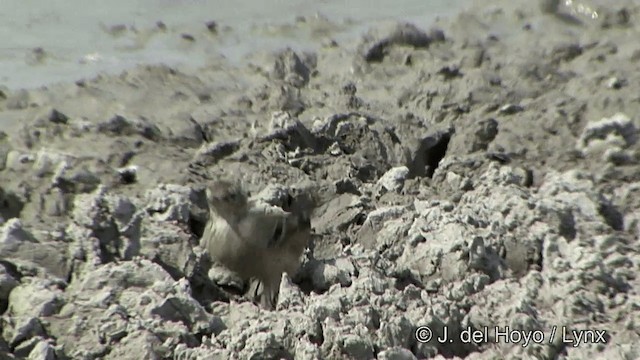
43,42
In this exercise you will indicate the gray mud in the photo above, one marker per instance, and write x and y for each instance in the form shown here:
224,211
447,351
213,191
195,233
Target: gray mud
484,173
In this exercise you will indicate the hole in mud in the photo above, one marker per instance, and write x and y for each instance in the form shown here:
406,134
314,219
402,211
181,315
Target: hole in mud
405,279
612,216
197,226
567,226
424,160
12,270
436,153
10,205
127,176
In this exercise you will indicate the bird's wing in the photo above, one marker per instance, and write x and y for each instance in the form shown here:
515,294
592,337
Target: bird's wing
298,238
282,257
221,241
263,225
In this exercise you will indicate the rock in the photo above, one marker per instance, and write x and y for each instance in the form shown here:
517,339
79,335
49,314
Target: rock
367,285
142,344
632,223
176,304
396,353
262,345
120,125
375,222
339,213
307,351
212,26
98,236
91,210
616,83
54,202
137,273
354,343
18,161
5,148
183,129
393,180
169,245
609,137
51,115
183,352
43,351
290,130
510,109
46,258
223,276
117,302
47,161
321,310
289,295
8,281
357,348
211,153
75,178
365,315
170,202
483,133
374,47
398,332
565,52
35,299
615,17
330,272
13,234
366,163
24,330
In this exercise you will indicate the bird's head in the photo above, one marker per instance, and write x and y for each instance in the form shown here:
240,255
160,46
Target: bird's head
227,199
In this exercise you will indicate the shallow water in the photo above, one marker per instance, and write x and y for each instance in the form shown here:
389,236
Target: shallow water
44,42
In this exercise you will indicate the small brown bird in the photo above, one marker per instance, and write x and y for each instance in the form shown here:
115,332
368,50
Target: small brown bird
254,239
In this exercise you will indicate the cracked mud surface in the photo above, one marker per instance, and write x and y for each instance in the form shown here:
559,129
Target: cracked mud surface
482,173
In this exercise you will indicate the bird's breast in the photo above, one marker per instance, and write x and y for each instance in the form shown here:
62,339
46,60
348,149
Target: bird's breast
227,247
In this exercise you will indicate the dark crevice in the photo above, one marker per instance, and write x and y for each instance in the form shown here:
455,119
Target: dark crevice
196,226
175,273
436,153
612,216
12,270
424,161
10,205
405,279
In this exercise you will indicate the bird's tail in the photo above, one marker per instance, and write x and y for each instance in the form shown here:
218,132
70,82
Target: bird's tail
262,293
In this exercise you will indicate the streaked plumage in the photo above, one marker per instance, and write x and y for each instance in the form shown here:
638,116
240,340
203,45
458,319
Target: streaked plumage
254,239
